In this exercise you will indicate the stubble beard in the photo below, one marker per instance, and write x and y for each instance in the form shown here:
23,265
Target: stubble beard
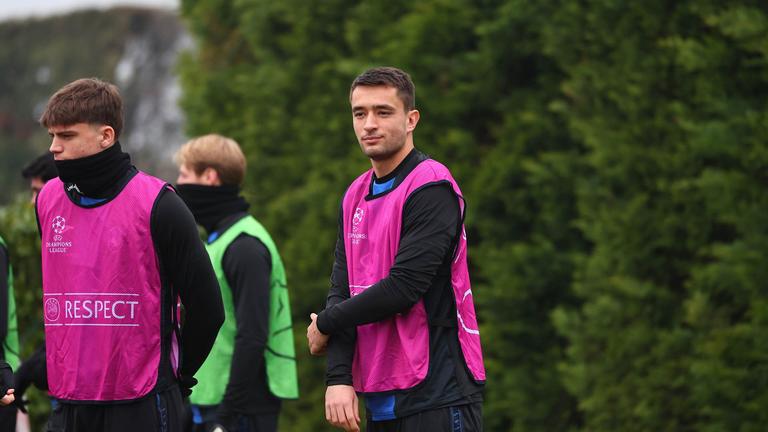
385,150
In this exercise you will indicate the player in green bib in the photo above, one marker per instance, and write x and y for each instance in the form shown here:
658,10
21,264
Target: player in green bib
252,365
9,352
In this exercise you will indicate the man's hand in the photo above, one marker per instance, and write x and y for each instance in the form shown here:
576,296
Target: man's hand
341,407
8,398
317,341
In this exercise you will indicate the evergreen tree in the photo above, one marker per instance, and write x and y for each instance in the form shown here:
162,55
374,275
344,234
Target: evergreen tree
668,98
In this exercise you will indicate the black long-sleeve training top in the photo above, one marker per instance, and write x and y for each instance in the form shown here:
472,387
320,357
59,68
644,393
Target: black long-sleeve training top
187,267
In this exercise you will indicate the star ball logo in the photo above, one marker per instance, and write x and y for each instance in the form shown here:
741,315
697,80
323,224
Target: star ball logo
58,245
59,224
357,218
52,309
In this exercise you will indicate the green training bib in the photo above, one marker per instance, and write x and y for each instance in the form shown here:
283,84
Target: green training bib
11,341
279,355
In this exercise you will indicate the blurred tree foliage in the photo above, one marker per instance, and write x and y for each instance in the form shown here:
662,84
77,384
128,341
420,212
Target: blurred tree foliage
32,66
669,98
38,56
19,229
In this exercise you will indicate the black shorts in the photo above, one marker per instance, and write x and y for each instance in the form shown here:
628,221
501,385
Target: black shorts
161,412
462,418
206,417
8,418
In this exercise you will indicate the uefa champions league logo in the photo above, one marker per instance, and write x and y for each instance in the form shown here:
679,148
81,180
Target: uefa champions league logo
358,217
52,309
58,225
58,245
355,236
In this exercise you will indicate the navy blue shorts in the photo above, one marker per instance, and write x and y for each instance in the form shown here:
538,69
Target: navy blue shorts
462,418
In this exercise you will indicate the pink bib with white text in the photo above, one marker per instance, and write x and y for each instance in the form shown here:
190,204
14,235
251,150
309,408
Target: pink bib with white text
101,293
393,354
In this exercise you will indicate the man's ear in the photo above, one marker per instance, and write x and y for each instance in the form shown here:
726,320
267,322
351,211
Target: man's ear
412,119
211,177
107,136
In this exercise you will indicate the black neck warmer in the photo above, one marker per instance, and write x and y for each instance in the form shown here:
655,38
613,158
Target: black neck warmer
210,204
94,176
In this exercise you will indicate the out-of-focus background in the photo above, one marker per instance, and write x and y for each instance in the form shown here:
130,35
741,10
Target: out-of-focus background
613,155
46,44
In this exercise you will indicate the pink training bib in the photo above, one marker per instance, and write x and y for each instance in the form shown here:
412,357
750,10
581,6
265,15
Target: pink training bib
101,293
393,354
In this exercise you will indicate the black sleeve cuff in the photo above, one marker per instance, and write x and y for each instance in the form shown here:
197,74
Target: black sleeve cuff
347,380
323,323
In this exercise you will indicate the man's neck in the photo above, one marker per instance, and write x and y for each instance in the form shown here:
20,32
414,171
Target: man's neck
386,166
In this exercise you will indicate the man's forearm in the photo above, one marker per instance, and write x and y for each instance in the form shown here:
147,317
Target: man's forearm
431,222
188,270
341,346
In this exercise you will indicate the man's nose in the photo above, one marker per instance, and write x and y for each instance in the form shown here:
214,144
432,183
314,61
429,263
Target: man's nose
55,146
370,123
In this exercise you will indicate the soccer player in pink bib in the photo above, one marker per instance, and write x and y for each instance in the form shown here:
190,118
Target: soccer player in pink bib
399,326
120,252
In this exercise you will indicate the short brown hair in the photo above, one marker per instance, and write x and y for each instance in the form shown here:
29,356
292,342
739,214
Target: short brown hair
214,151
87,100
389,77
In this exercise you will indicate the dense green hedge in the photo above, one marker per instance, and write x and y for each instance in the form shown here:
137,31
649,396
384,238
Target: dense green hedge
670,100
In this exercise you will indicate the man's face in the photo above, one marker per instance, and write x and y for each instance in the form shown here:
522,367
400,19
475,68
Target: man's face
78,140
35,185
187,175
381,123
